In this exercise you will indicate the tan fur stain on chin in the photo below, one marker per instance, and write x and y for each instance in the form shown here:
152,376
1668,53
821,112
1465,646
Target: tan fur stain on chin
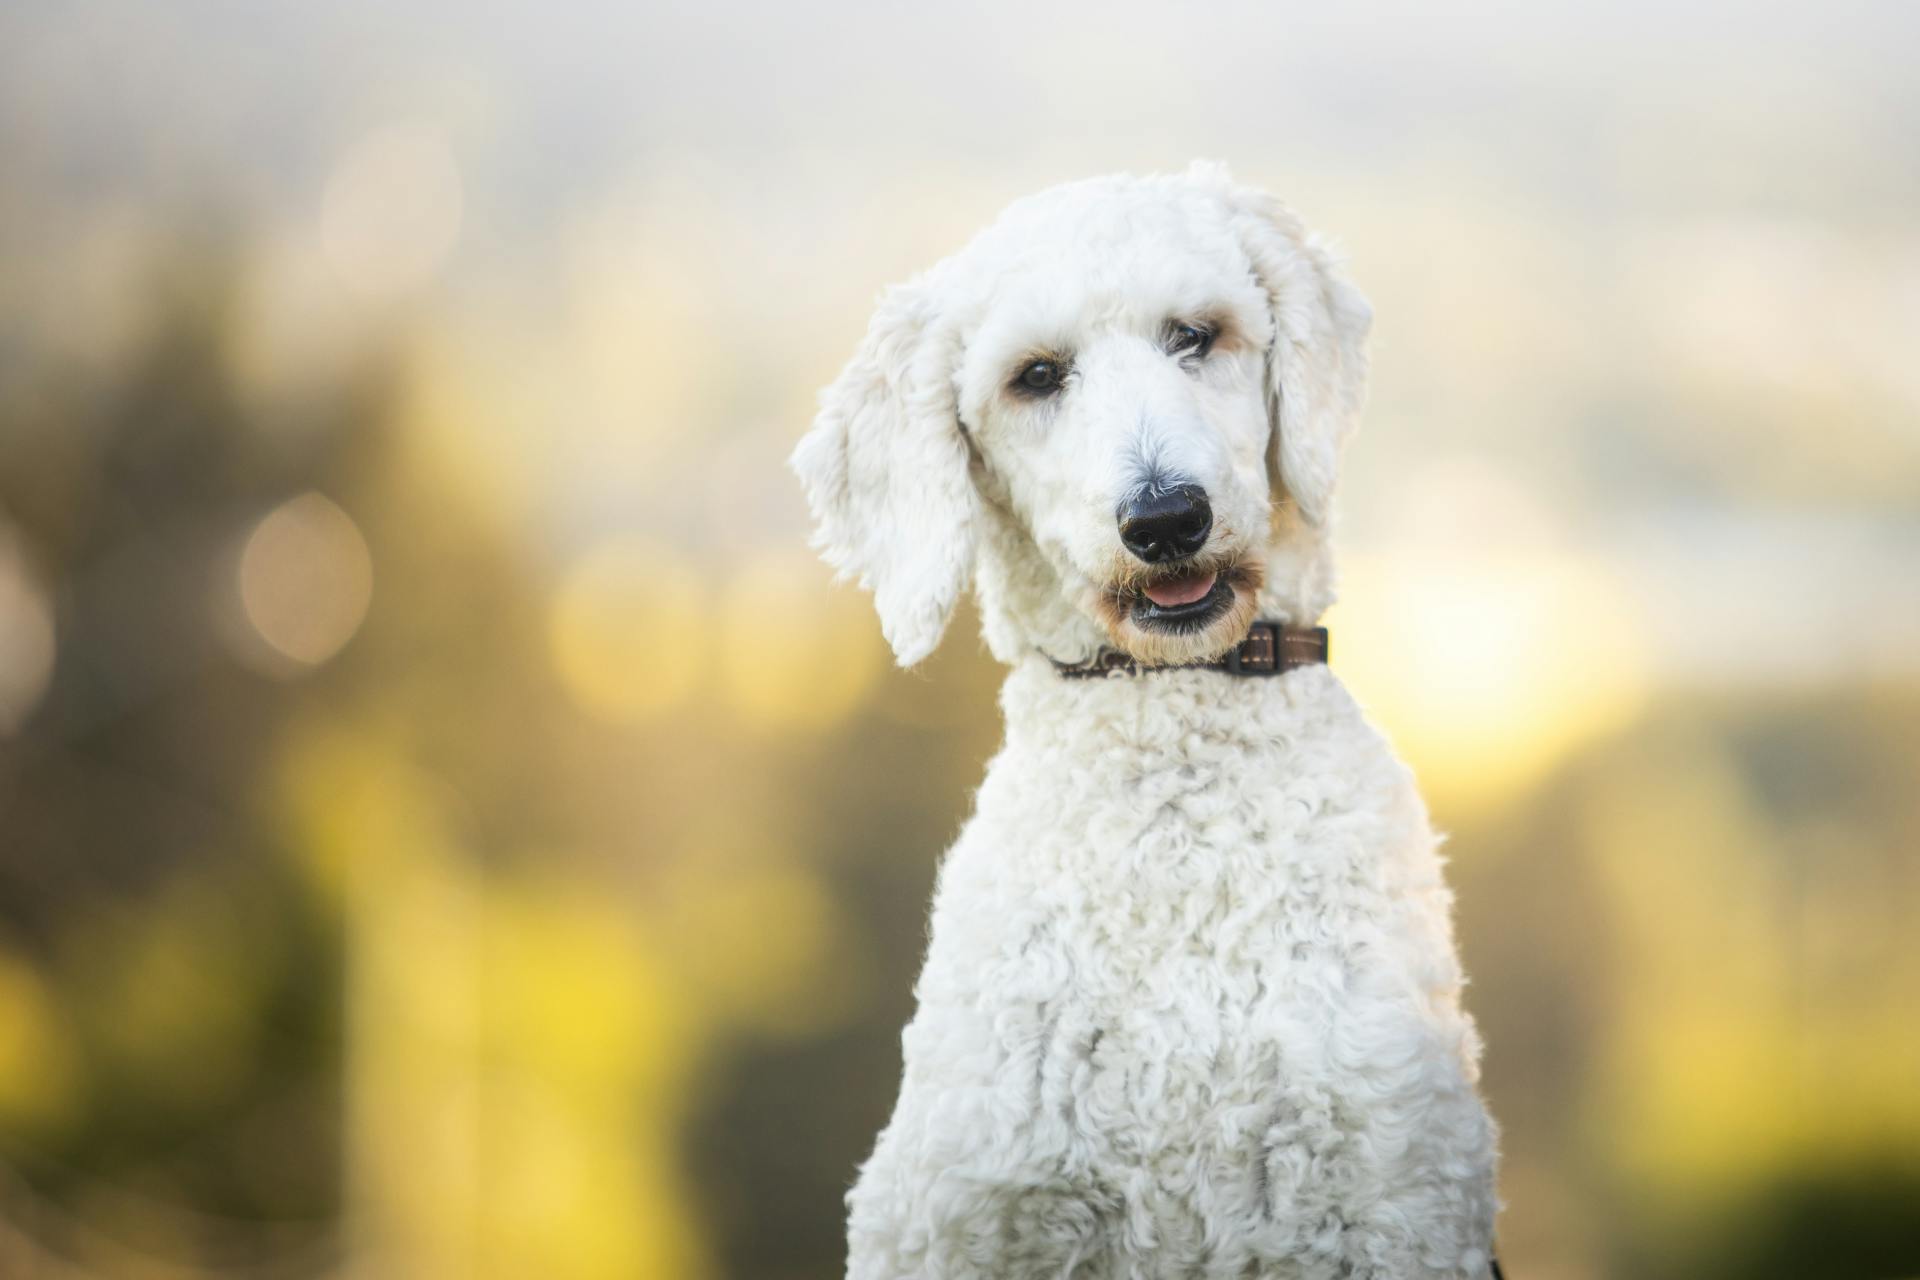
1114,608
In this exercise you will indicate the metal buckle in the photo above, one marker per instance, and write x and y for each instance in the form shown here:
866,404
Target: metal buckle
1258,654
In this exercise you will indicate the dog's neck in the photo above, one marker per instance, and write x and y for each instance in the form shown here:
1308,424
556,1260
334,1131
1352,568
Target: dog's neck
1156,722
1027,610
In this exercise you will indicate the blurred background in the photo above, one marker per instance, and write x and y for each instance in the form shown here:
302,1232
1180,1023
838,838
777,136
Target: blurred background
413,867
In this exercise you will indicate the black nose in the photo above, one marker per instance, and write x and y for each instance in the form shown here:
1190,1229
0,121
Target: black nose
1166,524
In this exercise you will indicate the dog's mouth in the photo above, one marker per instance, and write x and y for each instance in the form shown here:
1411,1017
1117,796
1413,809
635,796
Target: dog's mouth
1185,602
1180,613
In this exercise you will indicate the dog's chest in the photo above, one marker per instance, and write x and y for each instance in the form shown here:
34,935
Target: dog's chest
1181,1064
1191,996
1196,979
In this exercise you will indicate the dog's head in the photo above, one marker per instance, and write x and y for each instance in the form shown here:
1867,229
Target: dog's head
1121,408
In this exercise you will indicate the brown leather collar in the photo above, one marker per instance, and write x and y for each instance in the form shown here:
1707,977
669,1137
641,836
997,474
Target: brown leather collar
1270,649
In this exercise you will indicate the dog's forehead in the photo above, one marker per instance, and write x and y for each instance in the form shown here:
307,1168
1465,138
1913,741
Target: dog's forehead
1114,211
1104,244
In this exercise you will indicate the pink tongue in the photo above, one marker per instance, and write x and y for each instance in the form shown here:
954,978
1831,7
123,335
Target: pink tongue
1169,595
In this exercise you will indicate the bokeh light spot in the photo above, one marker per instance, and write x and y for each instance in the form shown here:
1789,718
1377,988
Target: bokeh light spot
628,631
1488,669
796,651
306,579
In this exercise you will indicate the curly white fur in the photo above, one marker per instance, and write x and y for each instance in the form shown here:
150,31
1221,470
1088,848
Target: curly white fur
1191,1003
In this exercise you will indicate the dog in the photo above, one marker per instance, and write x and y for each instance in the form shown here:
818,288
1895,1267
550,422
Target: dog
1191,1004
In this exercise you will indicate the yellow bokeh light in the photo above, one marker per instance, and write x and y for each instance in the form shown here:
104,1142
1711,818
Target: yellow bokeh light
39,1081
796,651
305,581
1488,667
586,1031
518,1053
628,631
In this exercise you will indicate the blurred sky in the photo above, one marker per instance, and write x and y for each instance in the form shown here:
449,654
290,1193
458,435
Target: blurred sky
1623,256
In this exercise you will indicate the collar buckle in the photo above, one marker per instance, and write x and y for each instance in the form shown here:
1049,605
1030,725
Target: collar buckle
1258,654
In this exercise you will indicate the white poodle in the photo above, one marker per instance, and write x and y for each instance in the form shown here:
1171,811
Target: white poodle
1191,1005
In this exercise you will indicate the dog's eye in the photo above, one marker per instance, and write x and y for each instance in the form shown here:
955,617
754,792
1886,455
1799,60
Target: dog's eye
1042,377
1189,340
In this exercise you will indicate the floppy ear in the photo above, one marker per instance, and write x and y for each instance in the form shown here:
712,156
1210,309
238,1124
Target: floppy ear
885,471
1317,365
